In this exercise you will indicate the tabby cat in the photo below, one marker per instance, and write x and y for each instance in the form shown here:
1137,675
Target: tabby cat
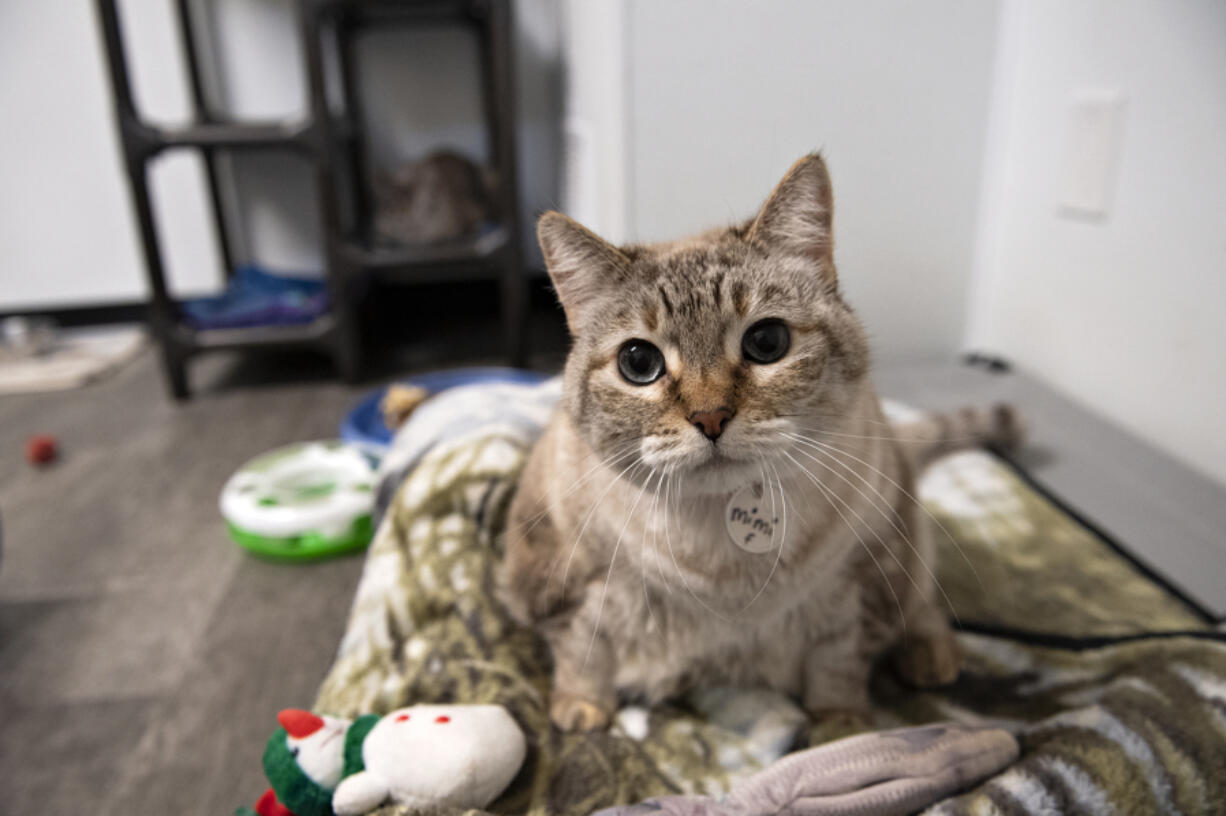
437,198
719,500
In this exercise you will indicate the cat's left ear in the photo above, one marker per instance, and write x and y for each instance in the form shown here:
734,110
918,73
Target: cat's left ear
584,267
796,218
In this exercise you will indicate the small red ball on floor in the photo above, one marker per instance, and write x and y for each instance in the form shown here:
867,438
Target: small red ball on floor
41,449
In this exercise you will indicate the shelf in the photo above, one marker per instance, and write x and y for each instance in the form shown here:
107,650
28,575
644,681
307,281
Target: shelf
228,135
332,143
272,336
298,135
378,11
380,257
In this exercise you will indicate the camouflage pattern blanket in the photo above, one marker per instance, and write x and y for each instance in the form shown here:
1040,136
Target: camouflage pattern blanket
1115,690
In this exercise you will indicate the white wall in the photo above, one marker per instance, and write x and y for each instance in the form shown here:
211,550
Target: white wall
596,172
944,126
726,94
1127,313
67,233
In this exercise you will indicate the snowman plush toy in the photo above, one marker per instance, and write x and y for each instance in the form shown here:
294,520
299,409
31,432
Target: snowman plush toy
425,755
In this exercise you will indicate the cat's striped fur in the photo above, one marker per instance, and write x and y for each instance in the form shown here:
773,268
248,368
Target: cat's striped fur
617,547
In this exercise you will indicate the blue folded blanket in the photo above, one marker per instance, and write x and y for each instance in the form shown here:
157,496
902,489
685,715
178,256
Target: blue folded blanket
253,297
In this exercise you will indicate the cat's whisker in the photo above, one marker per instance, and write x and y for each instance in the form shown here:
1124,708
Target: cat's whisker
643,566
613,461
891,517
843,416
612,562
587,519
830,497
888,516
783,511
905,492
677,566
667,517
889,550
838,416
952,440
655,537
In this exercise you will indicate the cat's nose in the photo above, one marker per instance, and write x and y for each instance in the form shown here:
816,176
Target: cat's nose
711,423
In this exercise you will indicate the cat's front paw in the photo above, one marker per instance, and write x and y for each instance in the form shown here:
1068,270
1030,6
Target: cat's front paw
577,714
926,662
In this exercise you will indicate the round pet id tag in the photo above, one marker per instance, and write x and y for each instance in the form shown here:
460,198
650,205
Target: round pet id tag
751,520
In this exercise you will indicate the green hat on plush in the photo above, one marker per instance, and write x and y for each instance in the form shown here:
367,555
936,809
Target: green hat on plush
305,760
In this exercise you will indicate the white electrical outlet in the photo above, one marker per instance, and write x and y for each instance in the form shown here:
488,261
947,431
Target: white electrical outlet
1092,152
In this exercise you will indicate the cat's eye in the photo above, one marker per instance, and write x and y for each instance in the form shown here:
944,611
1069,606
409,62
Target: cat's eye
766,341
639,362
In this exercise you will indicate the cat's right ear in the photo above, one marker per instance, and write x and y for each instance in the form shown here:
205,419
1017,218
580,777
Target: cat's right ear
796,218
582,265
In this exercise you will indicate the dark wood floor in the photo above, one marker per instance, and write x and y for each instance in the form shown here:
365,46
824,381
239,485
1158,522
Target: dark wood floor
143,656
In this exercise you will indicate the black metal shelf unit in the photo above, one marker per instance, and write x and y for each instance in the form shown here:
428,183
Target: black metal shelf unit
332,142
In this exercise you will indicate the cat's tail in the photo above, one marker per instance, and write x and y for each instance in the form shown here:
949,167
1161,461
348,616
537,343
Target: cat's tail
997,426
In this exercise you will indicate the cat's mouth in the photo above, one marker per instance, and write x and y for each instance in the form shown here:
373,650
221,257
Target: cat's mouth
721,458
709,457
716,460
717,471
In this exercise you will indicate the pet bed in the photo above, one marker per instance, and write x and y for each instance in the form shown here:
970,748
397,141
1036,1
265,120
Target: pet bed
1115,690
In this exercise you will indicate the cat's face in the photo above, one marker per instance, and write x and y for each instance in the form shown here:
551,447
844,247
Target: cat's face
696,358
